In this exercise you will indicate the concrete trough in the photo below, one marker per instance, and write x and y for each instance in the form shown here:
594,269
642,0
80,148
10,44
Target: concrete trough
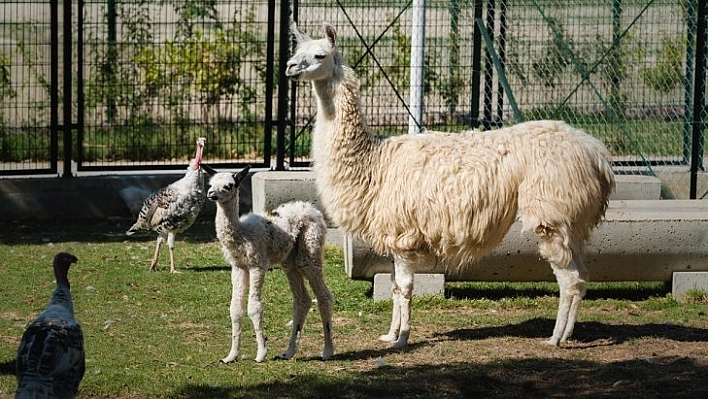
638,241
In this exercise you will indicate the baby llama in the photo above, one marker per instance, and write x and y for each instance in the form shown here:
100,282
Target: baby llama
451,197
292,235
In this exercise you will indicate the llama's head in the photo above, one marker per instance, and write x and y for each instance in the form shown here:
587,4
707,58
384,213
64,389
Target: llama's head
224,185
314,59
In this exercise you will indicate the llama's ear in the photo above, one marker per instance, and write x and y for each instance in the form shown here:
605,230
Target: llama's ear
242,174
210,171
300,36
331,35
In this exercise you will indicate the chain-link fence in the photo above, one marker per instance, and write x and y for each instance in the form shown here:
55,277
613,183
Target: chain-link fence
148,77
620,69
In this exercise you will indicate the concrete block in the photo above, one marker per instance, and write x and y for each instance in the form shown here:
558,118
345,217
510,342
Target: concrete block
424,284
272,188
637,187
686,281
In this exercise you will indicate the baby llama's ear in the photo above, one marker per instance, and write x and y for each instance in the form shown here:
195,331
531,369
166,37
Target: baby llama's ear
331,35
242,174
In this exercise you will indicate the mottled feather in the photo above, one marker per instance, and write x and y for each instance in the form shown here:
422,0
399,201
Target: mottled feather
50,358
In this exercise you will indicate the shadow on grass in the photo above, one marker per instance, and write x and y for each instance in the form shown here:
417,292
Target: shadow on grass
585,332
57,231
639,293
8,367
674,377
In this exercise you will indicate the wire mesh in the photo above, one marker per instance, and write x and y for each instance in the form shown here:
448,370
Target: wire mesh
154,76
620,69
24,87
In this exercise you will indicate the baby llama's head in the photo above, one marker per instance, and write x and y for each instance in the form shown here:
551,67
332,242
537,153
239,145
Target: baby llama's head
224,185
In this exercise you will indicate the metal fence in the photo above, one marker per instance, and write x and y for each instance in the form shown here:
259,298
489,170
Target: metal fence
148,77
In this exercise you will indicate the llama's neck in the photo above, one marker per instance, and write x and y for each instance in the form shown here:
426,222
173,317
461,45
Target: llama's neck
343,150
340,131
228,228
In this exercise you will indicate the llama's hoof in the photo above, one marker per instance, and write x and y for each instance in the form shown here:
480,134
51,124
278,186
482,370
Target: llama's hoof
226,360
260,356
399,344
327,354
552,342
284,356
388,338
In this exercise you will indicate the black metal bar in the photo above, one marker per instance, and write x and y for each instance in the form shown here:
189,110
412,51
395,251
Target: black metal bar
80,96
476,65
488,69
270,62
502,59
284,51
111,55
698,99
66,97
54,87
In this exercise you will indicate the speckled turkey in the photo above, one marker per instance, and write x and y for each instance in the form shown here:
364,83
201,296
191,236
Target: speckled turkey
50,359
174,208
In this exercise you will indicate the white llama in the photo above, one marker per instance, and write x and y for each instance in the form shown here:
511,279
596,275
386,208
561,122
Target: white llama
292,235
451,197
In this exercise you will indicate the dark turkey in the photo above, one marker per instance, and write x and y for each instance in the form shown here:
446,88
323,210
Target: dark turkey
50,360
174,208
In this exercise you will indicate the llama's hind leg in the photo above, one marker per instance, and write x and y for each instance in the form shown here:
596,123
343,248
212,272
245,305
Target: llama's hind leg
566,260
239,282
325,303
301,305
255,308
402,288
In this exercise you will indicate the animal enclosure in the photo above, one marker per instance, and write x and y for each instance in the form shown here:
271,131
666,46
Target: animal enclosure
128,85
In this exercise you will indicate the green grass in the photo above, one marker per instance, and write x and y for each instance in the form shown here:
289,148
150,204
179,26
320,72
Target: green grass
161,335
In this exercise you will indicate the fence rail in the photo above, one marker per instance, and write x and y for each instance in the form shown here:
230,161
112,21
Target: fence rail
112,85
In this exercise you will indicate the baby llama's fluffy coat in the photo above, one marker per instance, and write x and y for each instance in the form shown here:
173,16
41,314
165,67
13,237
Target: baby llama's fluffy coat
292,235
451,197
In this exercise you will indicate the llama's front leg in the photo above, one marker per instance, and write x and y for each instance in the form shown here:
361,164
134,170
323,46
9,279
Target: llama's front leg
255,308
395,312
301,305
239,282
153,263
404,281
325,303
402,287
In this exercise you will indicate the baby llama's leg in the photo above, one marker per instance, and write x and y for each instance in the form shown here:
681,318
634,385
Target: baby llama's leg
255,307
301,305
239,282
402,287
556,247
158,244
325,303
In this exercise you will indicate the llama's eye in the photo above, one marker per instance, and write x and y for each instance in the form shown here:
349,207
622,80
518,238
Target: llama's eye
320,56
229,187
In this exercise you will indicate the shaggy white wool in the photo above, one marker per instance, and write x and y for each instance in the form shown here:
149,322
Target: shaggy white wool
293,235
451,197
